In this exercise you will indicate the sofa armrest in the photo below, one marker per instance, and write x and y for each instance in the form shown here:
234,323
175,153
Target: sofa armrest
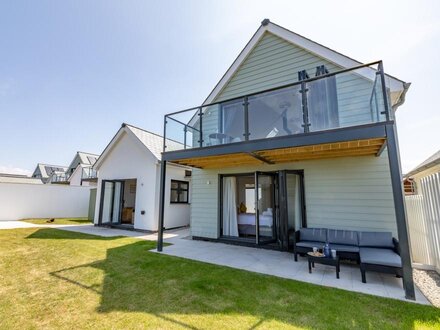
297,236
396,245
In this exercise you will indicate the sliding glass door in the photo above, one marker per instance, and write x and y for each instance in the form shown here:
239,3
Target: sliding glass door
111,202
261,207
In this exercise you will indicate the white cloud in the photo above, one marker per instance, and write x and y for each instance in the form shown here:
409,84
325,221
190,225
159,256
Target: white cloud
14,170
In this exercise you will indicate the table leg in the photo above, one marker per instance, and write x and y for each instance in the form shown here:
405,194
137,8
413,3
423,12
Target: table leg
337,270
310,267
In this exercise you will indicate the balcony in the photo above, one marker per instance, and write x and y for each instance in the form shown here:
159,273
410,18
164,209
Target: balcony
89,174
333,114
59,178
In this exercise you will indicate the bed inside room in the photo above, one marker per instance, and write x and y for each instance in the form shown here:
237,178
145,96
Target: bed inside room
239,218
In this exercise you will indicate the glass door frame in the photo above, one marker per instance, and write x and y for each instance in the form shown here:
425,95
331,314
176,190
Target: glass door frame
284,231
275,212
101,202
280,208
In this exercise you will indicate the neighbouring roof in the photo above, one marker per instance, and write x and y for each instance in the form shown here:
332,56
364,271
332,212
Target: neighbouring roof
87,158
46,170
83,158
428,163
17,178
397,87
151,141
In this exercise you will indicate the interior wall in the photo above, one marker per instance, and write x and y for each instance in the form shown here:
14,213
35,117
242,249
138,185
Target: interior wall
130,197
241,191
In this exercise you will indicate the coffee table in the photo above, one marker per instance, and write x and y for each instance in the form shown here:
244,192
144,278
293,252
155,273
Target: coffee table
324,261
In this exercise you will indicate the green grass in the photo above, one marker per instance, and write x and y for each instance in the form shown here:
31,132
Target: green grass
59,221
56,279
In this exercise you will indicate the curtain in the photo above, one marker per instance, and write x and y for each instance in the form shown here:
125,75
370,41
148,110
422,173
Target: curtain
230,225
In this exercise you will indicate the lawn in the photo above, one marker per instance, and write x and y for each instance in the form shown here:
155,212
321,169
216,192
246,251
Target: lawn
59,221
56,279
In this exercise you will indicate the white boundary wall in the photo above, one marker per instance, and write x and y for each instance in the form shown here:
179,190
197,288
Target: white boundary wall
423,213
19,201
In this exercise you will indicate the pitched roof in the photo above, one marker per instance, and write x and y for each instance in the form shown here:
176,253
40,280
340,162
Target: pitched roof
397,87
428,163
87,158
151,141
46,170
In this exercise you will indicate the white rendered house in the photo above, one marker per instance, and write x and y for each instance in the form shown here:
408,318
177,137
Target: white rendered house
128,183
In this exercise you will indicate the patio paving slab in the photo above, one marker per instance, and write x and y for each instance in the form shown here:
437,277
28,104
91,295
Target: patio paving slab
282,264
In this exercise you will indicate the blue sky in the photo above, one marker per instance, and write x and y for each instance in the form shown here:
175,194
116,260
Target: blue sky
72,71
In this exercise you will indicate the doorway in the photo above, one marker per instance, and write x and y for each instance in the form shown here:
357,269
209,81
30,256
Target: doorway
118,199
261,208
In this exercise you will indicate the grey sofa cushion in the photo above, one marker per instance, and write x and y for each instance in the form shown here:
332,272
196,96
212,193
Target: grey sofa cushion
313,234
384,257
346,237
344,248
376,239
310,244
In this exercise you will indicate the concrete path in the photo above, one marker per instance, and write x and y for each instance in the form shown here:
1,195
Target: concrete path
276,263
88,229
5,224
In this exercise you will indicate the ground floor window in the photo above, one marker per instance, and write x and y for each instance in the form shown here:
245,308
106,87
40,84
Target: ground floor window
179,191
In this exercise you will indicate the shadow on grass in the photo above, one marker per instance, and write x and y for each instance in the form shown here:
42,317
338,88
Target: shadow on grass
52,233
136,280
58,221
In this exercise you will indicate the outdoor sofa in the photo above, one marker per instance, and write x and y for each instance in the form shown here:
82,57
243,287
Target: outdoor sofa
374,251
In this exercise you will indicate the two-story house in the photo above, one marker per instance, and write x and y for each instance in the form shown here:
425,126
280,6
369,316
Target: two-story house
294,135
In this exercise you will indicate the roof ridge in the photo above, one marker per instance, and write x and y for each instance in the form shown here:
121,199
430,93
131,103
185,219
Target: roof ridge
144,130
141,129
52,165
88,153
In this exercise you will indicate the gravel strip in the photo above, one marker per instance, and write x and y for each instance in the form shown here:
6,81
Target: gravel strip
428,281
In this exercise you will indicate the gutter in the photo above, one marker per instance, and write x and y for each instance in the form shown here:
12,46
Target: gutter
422,168
402,96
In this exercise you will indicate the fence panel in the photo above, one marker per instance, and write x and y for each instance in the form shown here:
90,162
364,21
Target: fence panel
18,201
423,213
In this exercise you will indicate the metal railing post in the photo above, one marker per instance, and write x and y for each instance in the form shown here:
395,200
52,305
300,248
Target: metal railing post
184,136
160,225
201,127
246,118
384,91
164,132
305,107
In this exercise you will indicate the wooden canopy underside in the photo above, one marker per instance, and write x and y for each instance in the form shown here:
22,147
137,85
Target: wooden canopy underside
286,155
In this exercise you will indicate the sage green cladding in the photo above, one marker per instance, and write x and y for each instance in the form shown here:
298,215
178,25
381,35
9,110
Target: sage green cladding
346,193
275,62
